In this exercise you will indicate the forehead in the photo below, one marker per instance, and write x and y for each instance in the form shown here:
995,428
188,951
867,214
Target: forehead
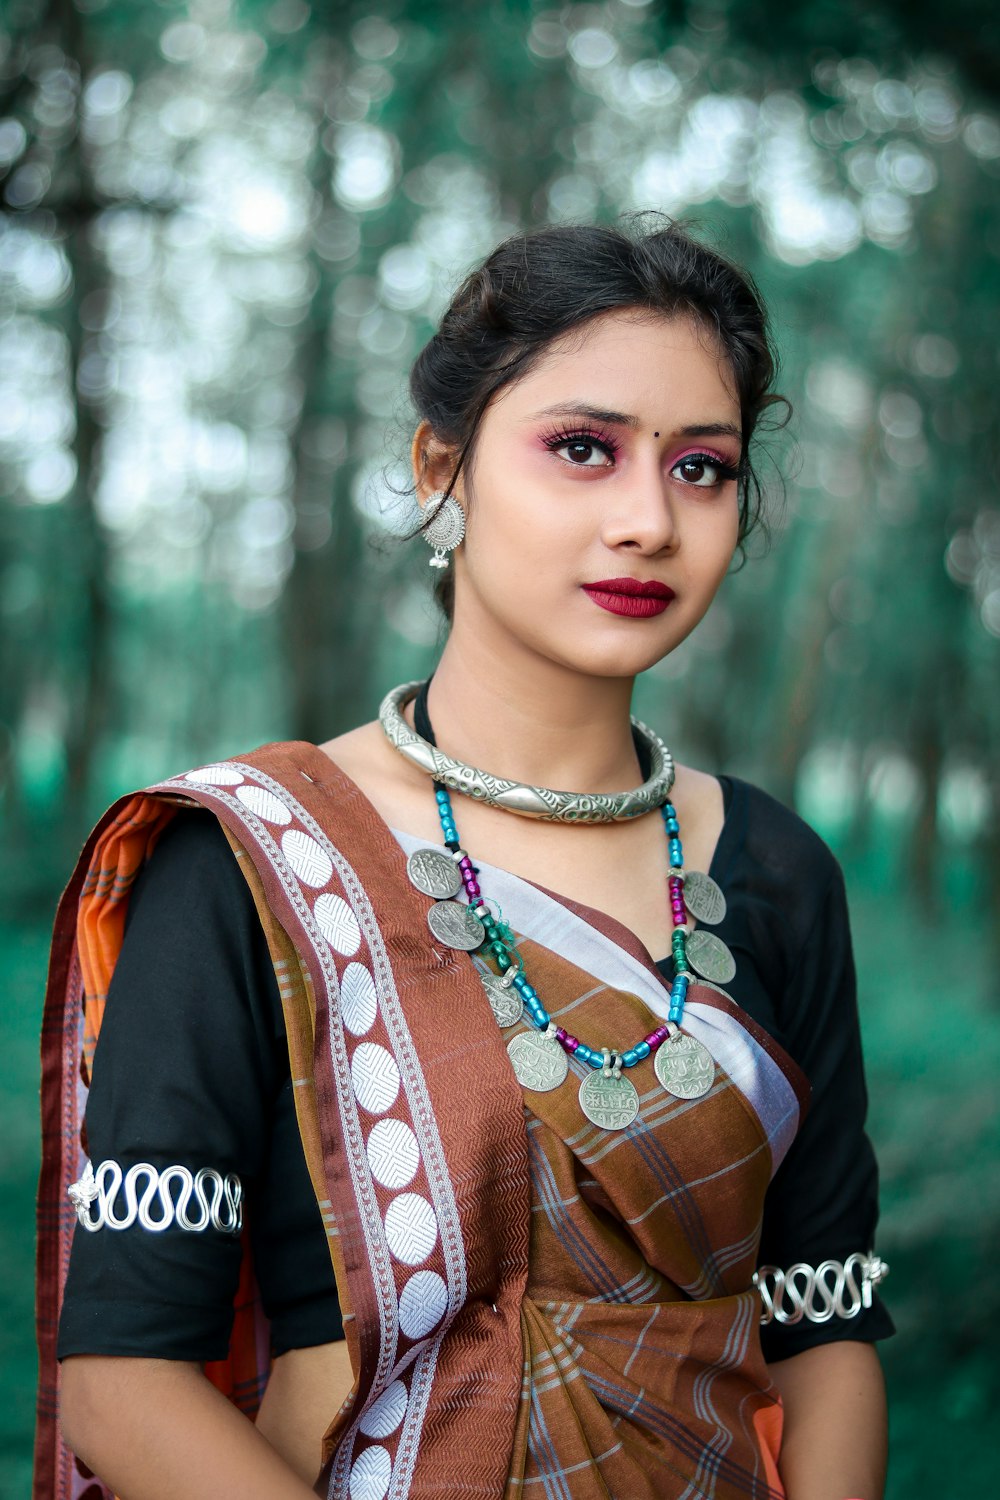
644,359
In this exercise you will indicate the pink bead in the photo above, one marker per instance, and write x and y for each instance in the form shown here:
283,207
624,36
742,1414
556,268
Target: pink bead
472,886
560,1034
570,1043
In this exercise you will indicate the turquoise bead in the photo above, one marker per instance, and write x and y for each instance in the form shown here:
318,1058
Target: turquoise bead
499,943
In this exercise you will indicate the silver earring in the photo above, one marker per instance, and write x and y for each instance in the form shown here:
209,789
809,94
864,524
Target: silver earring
444,528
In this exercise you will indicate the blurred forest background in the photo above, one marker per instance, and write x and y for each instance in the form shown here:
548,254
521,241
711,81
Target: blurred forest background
228,226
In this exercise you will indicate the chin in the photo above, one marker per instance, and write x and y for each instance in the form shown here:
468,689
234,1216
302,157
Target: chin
612,658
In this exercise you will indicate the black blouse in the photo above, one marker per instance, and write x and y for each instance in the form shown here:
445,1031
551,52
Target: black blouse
192,1068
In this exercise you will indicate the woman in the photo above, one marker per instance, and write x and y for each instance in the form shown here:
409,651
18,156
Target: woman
544,1232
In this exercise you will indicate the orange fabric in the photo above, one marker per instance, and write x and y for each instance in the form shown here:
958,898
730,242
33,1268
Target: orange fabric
117,860
769,1422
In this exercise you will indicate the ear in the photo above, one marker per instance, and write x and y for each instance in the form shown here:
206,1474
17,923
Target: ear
433,463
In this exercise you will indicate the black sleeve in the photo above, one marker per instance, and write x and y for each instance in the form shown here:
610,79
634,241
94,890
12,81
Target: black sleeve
191,1068
823,1202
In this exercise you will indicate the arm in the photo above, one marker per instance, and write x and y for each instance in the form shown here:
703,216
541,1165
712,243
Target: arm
143,1311
305,1390
156,1429
834,1441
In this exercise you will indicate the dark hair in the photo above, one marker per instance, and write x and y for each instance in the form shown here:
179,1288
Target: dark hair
537,286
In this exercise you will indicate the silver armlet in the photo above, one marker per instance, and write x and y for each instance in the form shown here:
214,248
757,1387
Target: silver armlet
218,1199
834,1288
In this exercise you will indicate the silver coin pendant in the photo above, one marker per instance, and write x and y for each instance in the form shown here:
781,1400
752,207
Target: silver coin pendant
434,873
539,1062
684,1067
504,1000
710,956
703,898
455,925
609,1103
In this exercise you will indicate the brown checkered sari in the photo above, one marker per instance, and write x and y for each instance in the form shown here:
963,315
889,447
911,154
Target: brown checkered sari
533,1306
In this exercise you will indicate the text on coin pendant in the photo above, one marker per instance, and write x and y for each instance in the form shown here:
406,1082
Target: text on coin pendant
504,1000
434,873
684,1067
703,898
455,925
710,956
539,1062
609,1103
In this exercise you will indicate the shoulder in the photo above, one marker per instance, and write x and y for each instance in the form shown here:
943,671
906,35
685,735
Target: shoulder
363,749
191,870
394,787
779,842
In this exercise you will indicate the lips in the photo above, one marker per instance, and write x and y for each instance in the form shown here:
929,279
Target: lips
630,597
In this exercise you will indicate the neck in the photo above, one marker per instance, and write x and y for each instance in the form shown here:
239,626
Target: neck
533,720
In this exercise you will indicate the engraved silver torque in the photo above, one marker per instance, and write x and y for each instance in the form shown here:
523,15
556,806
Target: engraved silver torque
518,796
840,1288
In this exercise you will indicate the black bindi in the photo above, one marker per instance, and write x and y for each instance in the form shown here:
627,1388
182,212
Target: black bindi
656,434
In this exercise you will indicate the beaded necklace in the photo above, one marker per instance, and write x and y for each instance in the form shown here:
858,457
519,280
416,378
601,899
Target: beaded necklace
540,1057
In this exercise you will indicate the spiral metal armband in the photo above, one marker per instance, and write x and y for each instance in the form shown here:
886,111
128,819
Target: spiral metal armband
834,1288
218,1198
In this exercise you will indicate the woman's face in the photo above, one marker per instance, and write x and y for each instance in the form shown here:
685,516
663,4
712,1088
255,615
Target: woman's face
613,458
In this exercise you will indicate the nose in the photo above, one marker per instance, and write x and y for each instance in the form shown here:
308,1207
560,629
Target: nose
643,514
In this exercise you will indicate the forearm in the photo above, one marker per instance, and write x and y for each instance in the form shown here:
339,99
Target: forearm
835,1433
156,1429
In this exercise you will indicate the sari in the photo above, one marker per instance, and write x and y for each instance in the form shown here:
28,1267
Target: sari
533,1305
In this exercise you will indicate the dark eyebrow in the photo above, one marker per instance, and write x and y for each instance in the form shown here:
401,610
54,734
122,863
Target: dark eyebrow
626,419
592,413
712,429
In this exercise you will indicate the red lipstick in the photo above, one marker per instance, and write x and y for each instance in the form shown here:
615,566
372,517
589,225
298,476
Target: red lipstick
630,596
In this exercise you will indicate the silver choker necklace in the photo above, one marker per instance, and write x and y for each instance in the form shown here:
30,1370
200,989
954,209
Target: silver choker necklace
517,796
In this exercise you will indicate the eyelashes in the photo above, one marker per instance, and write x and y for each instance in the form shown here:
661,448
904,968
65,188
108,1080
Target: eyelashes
724,470
583,438
590,443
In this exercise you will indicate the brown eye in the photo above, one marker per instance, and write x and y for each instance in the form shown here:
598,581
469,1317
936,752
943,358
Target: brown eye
702,471
584,453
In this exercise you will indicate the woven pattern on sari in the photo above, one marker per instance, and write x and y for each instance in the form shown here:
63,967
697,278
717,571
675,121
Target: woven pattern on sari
643,1373
532,1305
